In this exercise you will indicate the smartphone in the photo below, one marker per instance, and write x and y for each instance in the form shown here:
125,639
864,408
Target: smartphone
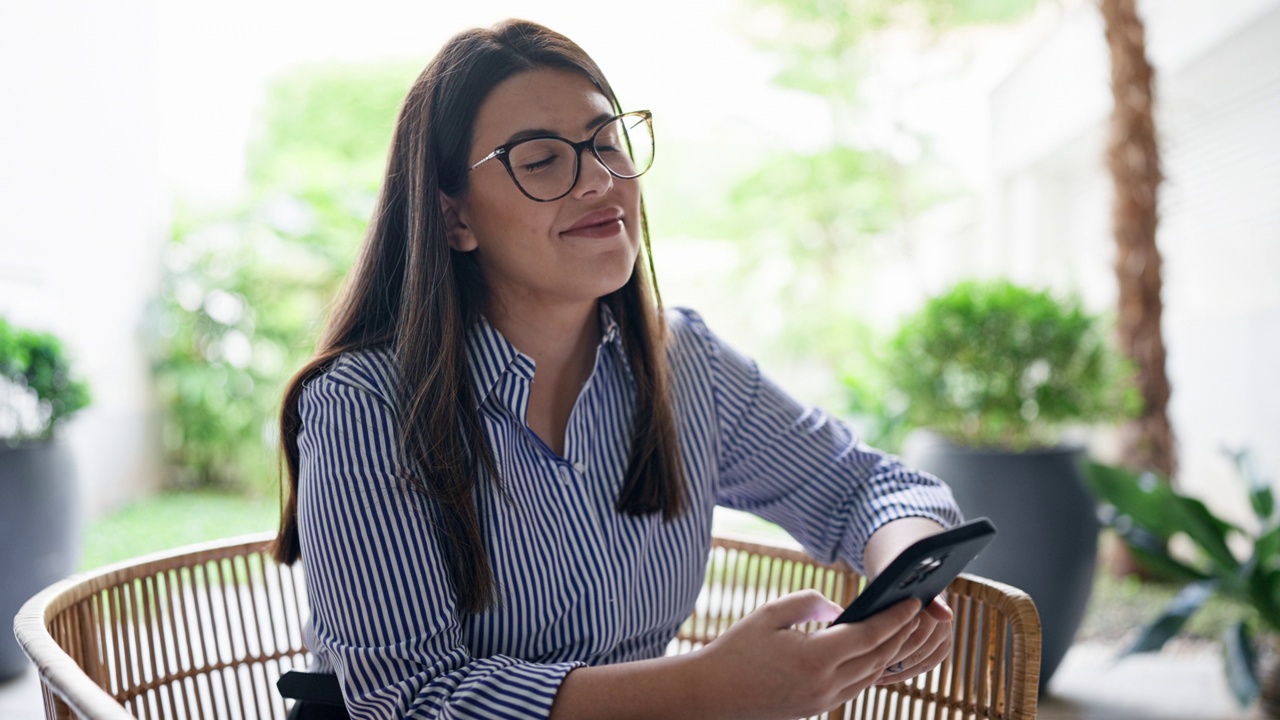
923,570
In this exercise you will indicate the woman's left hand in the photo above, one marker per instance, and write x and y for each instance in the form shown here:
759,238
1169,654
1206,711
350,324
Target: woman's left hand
925,648
931,641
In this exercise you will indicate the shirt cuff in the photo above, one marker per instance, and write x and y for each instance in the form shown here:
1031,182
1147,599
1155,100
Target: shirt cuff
523,691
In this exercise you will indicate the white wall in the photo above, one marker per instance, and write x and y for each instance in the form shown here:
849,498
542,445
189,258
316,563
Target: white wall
82,214
1218,107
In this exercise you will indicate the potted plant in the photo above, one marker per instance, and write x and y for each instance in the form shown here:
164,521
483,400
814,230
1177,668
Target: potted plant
987,376
39,534
1147,513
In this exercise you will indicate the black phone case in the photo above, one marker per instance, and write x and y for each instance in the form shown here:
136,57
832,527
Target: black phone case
922,570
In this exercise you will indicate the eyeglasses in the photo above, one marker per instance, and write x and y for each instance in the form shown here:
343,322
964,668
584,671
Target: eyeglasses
546,168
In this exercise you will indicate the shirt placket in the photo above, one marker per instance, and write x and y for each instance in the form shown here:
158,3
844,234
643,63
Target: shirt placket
581,481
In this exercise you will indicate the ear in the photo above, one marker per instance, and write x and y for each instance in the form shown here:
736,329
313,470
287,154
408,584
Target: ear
460,236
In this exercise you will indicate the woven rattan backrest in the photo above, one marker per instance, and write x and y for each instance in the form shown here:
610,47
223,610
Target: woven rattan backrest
204,632
201,633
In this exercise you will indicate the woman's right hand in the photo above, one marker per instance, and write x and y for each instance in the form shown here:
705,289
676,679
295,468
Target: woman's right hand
764,668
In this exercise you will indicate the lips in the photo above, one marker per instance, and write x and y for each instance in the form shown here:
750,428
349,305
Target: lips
606,219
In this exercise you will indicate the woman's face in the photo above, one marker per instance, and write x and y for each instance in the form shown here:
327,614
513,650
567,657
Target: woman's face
536,255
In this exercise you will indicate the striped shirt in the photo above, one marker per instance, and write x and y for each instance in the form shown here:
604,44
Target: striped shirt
581,584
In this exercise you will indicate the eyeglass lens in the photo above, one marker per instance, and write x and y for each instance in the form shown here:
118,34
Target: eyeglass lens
546,167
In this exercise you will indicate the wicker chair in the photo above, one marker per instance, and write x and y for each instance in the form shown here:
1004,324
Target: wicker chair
205,631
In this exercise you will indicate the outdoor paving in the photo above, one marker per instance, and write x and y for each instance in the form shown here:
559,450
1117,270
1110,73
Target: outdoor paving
1178,684
20,698
1089,685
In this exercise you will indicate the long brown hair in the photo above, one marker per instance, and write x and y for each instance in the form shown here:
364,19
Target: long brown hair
409,291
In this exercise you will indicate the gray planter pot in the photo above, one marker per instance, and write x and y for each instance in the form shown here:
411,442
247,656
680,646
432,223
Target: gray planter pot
39,532
1048,525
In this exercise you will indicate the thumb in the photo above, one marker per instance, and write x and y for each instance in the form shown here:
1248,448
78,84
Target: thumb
939,610
801,607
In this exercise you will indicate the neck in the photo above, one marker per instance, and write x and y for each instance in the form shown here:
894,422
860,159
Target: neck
562,342
556,338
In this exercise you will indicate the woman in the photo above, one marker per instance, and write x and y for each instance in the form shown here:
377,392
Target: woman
504,457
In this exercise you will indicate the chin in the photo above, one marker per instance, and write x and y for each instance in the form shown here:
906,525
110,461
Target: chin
604,289
610,280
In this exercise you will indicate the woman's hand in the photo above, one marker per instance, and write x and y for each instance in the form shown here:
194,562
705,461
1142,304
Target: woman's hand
928,645
764,668
931,642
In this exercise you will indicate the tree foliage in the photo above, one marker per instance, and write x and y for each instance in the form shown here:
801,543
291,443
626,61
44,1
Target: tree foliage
820,213
245,292
823,44
326,129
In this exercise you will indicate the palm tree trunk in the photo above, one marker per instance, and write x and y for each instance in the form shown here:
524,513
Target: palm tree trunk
1134,161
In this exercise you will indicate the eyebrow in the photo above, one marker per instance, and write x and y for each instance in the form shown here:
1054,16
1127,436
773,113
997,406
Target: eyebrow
595,122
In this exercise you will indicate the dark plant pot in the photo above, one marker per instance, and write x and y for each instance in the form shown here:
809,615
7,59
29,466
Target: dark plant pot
1048,525
39,532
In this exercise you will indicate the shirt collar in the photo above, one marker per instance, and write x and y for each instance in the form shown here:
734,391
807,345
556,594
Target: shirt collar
491,356
609,331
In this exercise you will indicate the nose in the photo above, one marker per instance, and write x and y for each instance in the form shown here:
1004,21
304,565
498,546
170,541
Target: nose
593,177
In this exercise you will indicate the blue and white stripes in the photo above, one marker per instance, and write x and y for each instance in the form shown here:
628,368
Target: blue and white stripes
580,583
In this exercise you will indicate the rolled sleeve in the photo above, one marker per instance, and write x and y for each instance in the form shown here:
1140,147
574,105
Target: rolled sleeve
799,467
383,610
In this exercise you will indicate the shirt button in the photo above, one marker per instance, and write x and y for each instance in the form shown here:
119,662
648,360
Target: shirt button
580,467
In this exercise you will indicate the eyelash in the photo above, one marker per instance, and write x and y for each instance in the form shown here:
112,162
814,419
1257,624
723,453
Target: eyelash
534,167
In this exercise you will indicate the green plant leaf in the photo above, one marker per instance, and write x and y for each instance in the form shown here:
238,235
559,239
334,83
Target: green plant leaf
1144,497
1266,552
1261,497
1208,531
1262,581
1152,554
1268,605
1263,502
1241,663
1139,513
1185,604
1155,507
36,362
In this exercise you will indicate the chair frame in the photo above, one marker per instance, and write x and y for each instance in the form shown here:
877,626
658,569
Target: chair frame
176,664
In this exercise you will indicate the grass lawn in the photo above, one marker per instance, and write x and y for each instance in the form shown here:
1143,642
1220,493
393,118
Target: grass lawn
173,519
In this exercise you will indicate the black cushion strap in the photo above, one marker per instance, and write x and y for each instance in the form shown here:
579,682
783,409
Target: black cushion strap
321,688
